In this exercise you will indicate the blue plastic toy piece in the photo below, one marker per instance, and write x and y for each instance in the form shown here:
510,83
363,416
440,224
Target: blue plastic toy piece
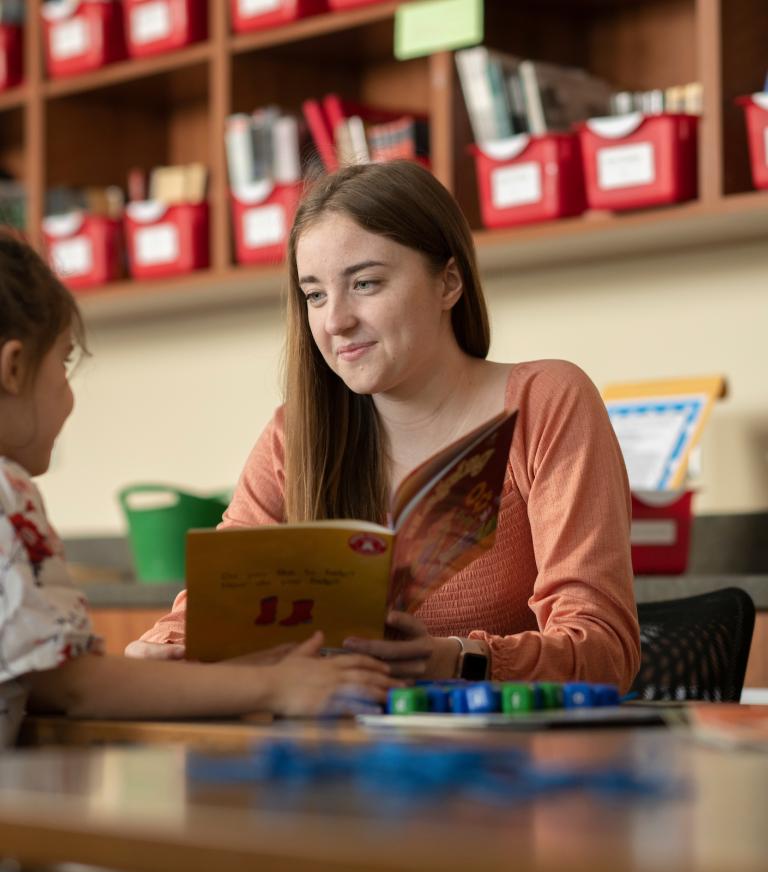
606,694
438,698
482,698
578,694
458,701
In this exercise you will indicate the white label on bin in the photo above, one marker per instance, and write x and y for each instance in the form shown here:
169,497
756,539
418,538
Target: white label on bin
151,22
653,532
264,225
257,7
72,257
516,185
69,39
626,166
158,244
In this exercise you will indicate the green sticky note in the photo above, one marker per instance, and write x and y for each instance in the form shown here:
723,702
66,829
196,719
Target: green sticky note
437,25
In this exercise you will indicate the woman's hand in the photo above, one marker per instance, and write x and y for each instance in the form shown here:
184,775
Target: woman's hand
415,654
306,684
154,650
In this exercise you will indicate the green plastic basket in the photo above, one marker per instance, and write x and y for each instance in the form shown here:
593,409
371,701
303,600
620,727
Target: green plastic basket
158,517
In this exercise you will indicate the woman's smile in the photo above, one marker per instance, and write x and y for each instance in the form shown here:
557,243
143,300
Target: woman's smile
354,350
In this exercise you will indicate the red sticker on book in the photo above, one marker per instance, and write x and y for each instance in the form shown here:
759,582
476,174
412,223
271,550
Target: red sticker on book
367,544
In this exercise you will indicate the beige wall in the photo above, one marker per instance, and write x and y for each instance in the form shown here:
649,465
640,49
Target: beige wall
181,399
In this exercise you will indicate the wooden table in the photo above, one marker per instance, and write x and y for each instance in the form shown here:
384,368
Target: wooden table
135,808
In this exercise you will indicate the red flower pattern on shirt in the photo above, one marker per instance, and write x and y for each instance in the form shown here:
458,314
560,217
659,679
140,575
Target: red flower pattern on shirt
34,541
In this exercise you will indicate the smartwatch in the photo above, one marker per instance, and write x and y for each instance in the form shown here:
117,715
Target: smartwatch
474,663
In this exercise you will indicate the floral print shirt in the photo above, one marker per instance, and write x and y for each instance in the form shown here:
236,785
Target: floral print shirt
43,616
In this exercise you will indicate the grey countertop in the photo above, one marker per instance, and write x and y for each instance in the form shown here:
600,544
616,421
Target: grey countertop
726,550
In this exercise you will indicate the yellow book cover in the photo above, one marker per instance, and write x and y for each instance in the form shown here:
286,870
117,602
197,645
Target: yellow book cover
253,588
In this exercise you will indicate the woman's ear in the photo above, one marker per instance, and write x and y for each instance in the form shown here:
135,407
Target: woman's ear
453,284
12,367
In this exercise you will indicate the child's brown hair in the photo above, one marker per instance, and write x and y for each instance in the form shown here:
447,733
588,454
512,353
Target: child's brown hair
35,307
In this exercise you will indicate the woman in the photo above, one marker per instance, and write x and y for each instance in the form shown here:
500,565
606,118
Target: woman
386,347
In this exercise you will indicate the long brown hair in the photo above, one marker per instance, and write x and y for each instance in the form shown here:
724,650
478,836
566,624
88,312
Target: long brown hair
335,452
35,307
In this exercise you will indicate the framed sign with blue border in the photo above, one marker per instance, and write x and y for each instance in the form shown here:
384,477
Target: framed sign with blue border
657,424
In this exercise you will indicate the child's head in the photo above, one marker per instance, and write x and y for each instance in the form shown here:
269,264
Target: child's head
40,325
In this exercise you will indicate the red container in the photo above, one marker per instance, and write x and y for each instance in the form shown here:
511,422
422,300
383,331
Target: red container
262,215
257,14
661,532
633,161
11,41
525,178
352,4
756,114
84,250
82,35
166,240
157,26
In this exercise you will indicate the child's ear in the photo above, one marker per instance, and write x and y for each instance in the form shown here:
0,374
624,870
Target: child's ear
453,284
12,367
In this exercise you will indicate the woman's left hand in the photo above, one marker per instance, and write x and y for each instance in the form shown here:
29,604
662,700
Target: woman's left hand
415,654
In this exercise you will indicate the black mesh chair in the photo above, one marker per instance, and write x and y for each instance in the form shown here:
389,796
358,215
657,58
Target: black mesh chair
695,648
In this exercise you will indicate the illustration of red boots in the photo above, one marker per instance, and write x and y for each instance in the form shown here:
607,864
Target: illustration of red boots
268,611
301,614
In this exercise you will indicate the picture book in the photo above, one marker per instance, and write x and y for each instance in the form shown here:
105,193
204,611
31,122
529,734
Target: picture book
249,589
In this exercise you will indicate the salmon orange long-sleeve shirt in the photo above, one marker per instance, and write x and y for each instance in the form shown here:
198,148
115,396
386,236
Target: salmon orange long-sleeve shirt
553,597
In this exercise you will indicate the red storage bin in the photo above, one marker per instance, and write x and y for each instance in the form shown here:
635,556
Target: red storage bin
157,26
262,214
84,250
756,114
11,41
633,161
661,531
529,178
256,14
166,240
82,35
352,4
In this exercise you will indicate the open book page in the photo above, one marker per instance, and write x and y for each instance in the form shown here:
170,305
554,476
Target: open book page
445,512
250,589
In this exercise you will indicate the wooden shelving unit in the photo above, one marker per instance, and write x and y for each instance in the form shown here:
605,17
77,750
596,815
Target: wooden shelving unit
92,129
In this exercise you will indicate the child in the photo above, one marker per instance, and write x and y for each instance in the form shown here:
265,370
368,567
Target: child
48,655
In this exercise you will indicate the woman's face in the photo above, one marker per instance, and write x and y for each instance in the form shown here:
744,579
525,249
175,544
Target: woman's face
378,313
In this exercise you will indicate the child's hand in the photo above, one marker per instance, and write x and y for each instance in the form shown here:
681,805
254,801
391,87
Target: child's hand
154,650
308,648
304,684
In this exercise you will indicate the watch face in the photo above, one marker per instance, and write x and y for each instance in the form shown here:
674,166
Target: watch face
474,666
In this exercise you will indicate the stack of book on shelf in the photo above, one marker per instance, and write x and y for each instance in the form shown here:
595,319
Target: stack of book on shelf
526,154
267,156
344,132
552,141
83,233
686,99
506,95
166,221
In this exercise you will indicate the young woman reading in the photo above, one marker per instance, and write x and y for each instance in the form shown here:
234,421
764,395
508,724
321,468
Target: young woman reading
386,347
